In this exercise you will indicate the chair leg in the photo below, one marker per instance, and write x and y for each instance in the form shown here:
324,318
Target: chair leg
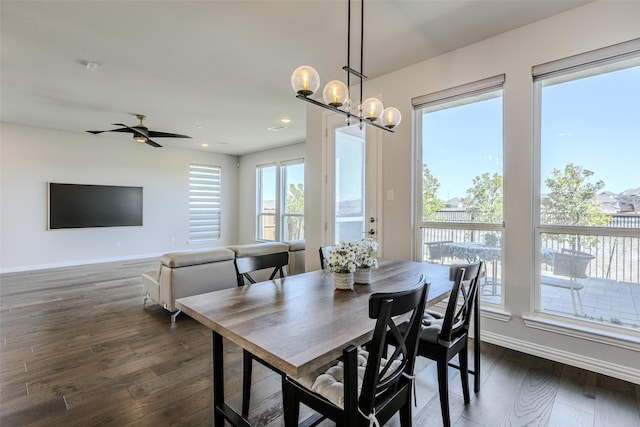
246,381
443,388
463,358
580,301
405,415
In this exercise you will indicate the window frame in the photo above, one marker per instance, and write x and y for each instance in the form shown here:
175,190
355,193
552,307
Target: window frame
279,216
564,70
260,214
284,191
452,98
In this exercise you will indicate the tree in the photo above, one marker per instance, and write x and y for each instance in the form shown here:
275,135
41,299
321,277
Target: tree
295,205
484,200
430,202
572,201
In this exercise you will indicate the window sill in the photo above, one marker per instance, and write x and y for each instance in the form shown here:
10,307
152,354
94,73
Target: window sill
629,341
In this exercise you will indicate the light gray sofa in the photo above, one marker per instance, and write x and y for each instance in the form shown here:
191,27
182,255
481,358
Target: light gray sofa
183,274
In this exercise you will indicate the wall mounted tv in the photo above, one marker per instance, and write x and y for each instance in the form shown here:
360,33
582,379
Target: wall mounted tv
85,206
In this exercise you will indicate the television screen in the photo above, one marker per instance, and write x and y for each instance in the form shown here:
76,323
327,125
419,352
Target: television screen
84,206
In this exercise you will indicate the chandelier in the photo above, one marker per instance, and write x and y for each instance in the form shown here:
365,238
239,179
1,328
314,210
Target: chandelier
305,81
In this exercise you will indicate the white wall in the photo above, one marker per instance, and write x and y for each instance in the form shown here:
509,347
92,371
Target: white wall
589,27
247,184
31,157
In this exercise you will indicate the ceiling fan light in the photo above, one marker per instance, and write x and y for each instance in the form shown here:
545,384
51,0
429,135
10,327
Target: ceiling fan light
391,117
372,108
139,138
335,93
305,80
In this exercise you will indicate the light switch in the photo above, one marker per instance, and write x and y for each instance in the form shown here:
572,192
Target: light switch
390,195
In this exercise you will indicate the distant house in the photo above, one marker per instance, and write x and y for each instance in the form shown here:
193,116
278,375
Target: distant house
630,201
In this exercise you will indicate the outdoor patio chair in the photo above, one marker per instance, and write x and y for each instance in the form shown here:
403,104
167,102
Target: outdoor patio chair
571,264
438,251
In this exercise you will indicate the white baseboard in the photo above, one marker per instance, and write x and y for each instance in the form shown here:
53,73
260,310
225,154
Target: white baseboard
600,366
78,262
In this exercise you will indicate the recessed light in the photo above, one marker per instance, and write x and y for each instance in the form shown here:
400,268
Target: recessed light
204,145
285,120
199,126
276,128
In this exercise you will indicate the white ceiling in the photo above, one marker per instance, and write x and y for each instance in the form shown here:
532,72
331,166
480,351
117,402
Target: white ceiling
218,71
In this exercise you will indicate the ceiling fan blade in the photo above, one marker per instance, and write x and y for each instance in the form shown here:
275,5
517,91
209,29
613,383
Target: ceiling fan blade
156,134
152,143
130,129
95,132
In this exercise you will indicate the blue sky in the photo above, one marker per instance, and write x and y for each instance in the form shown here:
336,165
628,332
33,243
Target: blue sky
593,122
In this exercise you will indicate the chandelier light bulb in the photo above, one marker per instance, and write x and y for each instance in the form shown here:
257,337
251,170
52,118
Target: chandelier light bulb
372,108
391,117
305,80
335,93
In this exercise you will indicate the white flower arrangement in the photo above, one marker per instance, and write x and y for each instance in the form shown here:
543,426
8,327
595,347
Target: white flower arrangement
347,256
367,256
342,258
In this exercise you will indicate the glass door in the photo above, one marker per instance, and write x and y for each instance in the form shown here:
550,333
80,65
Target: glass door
351,182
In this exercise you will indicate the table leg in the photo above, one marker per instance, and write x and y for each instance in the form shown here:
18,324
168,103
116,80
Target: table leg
218,381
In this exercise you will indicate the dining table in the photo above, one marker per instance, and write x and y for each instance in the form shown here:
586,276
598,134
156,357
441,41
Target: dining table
300,323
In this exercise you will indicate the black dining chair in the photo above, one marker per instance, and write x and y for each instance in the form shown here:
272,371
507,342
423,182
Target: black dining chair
244,267
324,254
386,382
442,337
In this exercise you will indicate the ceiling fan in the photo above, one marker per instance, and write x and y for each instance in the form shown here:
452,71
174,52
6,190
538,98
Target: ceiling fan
141,133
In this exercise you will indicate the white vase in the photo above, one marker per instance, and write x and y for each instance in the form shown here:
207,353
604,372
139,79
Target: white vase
362,275
343,280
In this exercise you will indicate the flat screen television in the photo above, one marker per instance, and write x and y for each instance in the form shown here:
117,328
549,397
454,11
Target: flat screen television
86,206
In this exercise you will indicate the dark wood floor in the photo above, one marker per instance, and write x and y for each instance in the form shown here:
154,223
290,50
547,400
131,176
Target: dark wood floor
78,348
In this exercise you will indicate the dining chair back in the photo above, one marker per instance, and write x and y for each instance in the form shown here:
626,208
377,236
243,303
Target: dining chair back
324,254
386,380
247,265
244,267
442,338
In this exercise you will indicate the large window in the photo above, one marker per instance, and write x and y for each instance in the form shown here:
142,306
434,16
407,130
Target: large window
588,216
292,174
266,203
205,203
460,190
280,201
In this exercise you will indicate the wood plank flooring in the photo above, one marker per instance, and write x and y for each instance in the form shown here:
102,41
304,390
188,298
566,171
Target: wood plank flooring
78,348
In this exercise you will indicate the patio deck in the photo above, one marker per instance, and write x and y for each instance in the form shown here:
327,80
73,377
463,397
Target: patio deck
604,301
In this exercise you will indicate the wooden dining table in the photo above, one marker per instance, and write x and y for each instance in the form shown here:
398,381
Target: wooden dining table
300,323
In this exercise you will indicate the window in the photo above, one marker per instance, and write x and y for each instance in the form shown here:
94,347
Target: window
293,200
266,188
459,178
280,201
204,203
588,209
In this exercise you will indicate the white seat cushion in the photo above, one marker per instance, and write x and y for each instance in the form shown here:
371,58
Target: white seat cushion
330,384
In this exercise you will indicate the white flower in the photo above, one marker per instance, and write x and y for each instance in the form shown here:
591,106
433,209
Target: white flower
347,256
